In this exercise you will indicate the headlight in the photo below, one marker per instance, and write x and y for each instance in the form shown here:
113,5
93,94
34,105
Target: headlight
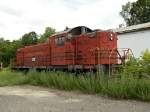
111,36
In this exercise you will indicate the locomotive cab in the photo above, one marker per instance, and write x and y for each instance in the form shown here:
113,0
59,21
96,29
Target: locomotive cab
93,48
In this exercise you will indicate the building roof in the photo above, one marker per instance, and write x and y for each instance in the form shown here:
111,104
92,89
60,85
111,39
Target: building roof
132,28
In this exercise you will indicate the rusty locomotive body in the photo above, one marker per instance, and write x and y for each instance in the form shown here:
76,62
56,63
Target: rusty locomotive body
73,49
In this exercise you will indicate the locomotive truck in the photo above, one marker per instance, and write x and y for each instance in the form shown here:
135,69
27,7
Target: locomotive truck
74,49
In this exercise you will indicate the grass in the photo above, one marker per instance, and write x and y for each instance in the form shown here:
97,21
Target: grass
8,78
123,87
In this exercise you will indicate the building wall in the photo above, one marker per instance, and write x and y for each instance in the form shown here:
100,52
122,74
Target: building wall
137,41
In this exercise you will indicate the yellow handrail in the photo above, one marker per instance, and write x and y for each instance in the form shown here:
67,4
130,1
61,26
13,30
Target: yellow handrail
115,48
109,58
98,49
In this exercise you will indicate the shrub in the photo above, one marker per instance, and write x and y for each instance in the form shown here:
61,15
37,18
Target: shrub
136,66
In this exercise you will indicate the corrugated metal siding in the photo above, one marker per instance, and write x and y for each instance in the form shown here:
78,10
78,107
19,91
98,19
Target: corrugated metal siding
137,41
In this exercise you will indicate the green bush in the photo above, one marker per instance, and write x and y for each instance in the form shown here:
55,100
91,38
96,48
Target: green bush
136,66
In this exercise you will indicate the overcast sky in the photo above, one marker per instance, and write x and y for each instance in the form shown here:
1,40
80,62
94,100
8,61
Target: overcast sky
18,17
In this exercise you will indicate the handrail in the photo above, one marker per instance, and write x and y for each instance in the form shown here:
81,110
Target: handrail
98,49
76,50
120,57
109,58
73,57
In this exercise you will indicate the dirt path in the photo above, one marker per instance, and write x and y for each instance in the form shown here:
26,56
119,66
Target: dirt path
28,98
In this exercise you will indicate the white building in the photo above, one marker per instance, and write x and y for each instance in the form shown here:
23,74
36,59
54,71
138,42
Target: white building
136,37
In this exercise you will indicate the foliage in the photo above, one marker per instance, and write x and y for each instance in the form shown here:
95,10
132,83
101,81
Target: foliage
137,66
4,52
14,45
8,49
136,13
125,13
29,39
8,78
145,62
125,86
48,32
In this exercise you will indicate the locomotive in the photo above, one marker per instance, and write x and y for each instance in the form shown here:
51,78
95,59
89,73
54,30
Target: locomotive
73,49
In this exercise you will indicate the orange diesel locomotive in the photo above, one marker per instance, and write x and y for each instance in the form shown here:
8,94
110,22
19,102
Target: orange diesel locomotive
74,49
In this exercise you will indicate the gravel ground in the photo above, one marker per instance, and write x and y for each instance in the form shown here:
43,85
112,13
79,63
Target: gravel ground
28,98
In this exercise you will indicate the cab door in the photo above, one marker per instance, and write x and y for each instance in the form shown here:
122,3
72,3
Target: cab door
58,50
70,50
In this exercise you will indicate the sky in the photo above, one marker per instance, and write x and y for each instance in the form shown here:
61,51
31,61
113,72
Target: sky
18,17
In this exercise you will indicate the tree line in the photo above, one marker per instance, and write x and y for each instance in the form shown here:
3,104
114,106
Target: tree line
8,49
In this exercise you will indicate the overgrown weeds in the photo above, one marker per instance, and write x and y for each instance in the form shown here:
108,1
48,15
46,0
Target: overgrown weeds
123,87
8,78
136,66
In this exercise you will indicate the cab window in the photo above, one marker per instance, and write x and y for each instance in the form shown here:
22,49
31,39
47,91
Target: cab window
62,41
69,37
77,31
59,41
56,42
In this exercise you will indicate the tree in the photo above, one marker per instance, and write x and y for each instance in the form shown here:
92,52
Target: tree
8,49
1,48
136,13
48,32
29,39
4,53
14,45
33,38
